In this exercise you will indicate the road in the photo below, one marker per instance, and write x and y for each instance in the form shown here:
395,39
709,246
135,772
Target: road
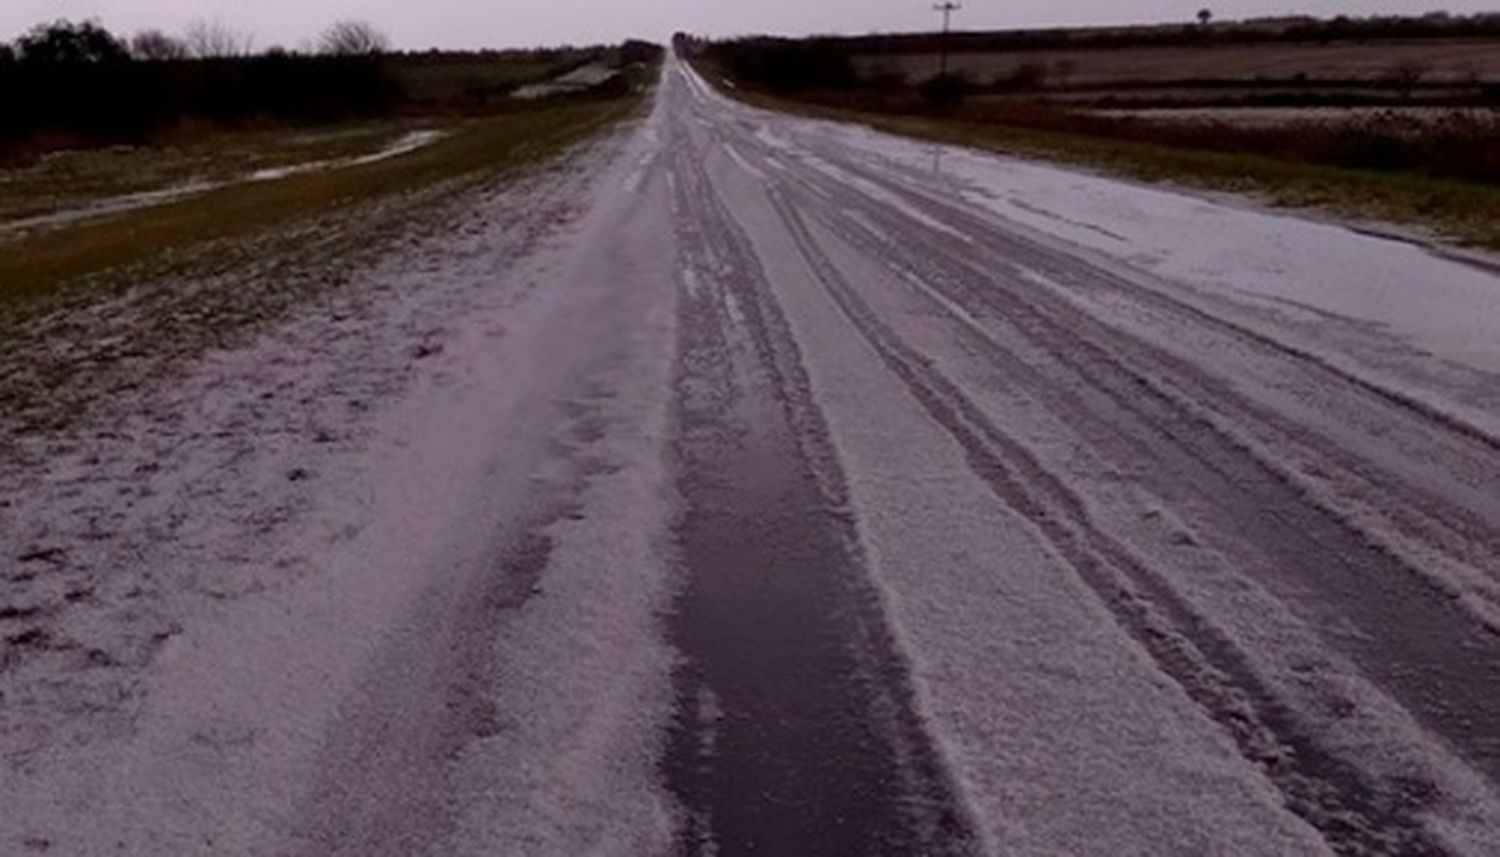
754,485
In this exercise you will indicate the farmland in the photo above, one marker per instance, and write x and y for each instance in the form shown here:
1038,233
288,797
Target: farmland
1448,61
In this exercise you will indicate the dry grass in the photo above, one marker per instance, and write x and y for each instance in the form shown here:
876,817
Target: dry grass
468,77
1283,117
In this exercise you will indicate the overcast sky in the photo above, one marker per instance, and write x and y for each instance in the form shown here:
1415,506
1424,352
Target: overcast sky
504,23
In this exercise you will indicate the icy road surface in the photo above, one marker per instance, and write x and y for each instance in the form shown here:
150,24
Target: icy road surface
751,485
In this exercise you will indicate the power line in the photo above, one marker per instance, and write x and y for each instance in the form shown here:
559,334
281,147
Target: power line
947,7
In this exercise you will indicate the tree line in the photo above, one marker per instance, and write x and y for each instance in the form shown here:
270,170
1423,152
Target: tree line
77,83
65,41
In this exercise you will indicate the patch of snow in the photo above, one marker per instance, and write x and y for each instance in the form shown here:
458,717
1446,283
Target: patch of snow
578,80
108,207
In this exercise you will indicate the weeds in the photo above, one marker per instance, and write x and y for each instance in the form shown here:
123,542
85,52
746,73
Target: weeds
784,65
1461,144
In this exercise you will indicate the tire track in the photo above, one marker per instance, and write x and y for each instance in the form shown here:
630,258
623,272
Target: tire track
1356,816
1418,643
799,729
991,251
1426,517
1067,269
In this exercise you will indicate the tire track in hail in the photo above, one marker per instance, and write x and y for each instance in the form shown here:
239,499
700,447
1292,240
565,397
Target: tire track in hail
1434,656
1355,816
1035,252
1443,519
756,762
1006,251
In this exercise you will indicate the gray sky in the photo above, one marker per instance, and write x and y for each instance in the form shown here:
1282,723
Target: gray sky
505,23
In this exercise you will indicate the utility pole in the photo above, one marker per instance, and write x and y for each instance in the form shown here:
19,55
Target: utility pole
947,7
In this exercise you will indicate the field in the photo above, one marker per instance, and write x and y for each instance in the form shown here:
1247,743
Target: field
446,79
1452,61
1289,117
76,180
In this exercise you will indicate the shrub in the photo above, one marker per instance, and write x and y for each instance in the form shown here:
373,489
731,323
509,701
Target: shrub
64,42
887,78
1029,76
946,90
787,66
128,100
636,51
1463,145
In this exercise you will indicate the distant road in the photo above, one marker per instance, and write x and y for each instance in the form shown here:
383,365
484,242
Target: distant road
755,485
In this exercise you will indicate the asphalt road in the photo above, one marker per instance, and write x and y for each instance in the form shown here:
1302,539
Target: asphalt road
1036,451
767,486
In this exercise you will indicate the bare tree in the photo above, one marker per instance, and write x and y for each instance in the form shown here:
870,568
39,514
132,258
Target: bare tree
156,45
209,39
353,38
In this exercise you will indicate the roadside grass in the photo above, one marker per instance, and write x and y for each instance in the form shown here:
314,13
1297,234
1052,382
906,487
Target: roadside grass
100,310
68,179
443,80
1465,212
39,264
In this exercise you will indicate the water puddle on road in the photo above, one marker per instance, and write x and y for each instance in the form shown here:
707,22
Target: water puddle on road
796,734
